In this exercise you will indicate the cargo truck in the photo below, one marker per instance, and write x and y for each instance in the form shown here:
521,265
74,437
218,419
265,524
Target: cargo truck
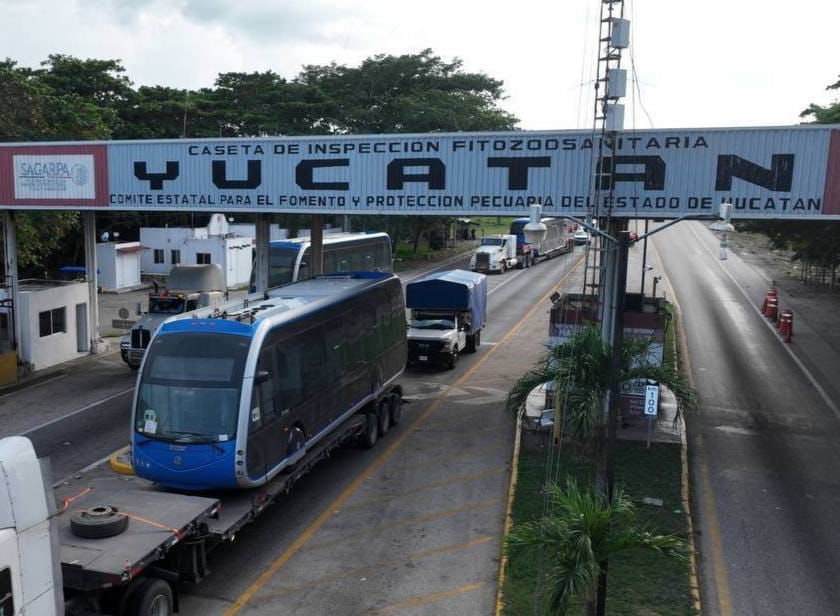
448,312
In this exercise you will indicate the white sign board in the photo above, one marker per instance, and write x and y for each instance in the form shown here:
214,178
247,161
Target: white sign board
651,400
784,172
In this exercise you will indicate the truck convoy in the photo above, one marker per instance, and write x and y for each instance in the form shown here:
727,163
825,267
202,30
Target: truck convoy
497,253
558,240
188,287
125,545
448,312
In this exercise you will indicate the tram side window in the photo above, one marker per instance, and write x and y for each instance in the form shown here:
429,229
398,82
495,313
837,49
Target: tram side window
355,335
7,603
333,343
312,361
287,381
263,397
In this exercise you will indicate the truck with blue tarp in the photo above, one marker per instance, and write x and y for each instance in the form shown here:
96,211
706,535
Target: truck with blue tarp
448,312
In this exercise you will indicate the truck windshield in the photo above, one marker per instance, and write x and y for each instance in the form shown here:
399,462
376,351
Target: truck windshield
281,266
491,241
166,305
423,320
190,386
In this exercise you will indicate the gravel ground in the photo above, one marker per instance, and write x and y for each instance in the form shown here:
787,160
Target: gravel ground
814,303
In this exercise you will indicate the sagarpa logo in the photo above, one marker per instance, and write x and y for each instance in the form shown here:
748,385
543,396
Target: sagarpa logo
54,176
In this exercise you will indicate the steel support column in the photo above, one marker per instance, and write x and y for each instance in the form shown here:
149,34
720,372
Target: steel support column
11,271
89,223
316,237
263,249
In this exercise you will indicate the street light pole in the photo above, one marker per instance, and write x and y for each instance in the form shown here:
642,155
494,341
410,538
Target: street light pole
615,313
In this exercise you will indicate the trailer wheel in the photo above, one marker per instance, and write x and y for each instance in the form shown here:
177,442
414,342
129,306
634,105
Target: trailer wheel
371,433
470,346
383,417
98,522
395,409
153,598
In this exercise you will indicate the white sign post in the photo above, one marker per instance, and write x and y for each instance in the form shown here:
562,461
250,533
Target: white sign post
651,407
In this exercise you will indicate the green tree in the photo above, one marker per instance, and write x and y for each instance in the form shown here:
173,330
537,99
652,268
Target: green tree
582,532
829,114
408,93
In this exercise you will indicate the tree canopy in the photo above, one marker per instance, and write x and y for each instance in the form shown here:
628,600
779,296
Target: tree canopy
68,98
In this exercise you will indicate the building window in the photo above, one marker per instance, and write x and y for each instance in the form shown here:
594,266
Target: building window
202,258
176,257
158,255
52,321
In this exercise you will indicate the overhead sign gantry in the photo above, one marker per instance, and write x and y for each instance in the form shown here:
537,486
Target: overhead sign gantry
782,172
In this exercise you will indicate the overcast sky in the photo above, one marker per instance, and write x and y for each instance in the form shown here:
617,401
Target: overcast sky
709,63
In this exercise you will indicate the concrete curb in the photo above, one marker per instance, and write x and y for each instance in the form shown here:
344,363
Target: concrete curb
120,461
514,469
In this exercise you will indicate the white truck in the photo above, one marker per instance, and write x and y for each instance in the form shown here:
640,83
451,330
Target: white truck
448,312
188,287
495,253
30,575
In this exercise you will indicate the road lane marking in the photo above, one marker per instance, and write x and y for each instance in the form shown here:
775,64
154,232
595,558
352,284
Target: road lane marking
376,568
504,282
514,470
427,517
828,401
429,486
707,500
87,407
434,597
380,461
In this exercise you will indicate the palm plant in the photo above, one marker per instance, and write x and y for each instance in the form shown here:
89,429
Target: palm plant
583,531
581,373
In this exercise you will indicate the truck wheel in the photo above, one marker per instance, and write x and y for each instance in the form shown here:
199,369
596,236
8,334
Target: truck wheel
153,598
477,339
134,368
502,267
383,417
98,522
453,359
371,433
395,409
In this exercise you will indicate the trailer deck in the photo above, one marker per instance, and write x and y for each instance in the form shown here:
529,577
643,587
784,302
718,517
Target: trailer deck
161,519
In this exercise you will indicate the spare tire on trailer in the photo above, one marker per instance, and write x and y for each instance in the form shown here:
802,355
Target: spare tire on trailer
98,522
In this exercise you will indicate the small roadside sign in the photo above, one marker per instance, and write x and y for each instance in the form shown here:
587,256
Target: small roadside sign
651,400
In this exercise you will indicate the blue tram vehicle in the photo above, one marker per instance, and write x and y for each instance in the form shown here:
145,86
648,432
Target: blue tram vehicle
230,396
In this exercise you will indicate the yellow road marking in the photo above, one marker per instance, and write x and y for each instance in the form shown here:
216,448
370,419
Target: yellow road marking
708,501
374,466
444,483
375,568
430,598
429,517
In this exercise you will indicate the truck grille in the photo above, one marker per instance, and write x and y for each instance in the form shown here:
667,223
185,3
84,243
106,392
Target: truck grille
482,260
140,338
422,346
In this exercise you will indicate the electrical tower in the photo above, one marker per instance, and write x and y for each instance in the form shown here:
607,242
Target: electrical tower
608,119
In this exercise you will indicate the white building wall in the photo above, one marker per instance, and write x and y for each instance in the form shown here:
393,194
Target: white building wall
118,269
249,229
106,263
166,239
42,352
239,258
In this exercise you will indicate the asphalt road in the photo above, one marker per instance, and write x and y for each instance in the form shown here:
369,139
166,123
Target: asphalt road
763,445
412,526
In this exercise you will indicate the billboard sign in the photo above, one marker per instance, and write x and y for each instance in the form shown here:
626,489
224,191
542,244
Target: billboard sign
786,172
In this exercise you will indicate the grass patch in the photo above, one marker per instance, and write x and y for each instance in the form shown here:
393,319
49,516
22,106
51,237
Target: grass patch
639,582
490,225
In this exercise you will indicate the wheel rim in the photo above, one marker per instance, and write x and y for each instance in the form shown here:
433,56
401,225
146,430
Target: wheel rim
159,606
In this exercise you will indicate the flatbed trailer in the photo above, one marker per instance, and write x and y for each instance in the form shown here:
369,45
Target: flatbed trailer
170,533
